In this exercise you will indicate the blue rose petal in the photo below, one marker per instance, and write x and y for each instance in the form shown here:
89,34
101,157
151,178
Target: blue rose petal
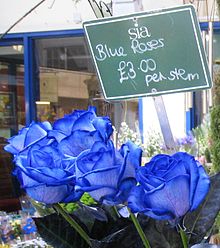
124,189
64,126
46,156
136,202
78,141
202,188
35,133
27,137
16,143
49,176
84,122
169,187
104,126
58,135
105,172
51,194
191,168
133,161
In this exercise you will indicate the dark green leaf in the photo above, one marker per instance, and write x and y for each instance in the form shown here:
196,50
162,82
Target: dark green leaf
96,212
160,233
202,219
58,233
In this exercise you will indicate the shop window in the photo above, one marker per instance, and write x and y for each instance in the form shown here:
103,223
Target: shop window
216,48
68,81
12,117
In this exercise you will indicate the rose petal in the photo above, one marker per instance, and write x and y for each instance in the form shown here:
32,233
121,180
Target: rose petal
48,194
160,164
35,133
132,158
104,126
191,169
78,142
48,176
103,177
105,192
124,189
149,181
177,169
201,190
84,122
137,203
64,126
174,196
57,135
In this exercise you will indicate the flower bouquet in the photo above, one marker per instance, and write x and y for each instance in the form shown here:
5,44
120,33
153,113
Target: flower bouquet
168,202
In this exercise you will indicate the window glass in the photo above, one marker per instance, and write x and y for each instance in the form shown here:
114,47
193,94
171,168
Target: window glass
68,81
216,47
12,114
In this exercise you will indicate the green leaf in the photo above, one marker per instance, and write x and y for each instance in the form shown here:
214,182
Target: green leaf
183,238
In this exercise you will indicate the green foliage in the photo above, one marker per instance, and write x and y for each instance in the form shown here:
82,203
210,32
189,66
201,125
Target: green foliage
73,206
202,137
216,86
217,224
16,228
70,207
215,137
218,3
87,199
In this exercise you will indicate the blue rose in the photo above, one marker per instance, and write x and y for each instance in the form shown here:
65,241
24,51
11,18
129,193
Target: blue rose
83,122
42,170
28,136
45,154
46,176
107,174
169,187
78,131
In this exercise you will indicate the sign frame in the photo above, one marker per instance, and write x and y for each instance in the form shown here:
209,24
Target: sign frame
197,35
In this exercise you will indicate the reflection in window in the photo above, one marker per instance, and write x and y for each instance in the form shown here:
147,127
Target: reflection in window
12,118
68,81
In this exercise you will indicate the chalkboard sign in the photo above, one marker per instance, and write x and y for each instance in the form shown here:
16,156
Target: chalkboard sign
149,53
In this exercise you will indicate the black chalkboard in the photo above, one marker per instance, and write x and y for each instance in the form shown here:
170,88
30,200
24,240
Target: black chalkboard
149,53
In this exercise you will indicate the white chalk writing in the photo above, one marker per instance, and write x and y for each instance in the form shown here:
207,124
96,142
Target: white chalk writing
126,70
142,42
103,52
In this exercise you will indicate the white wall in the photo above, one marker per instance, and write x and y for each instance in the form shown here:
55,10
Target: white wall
149,5
175,108
66,14
51,15
206,10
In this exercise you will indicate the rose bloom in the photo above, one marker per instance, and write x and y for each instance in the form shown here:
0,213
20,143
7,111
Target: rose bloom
169,187
45,154
107,174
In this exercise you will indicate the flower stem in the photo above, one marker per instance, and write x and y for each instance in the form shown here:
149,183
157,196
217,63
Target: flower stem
73,223
139,229
183,237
